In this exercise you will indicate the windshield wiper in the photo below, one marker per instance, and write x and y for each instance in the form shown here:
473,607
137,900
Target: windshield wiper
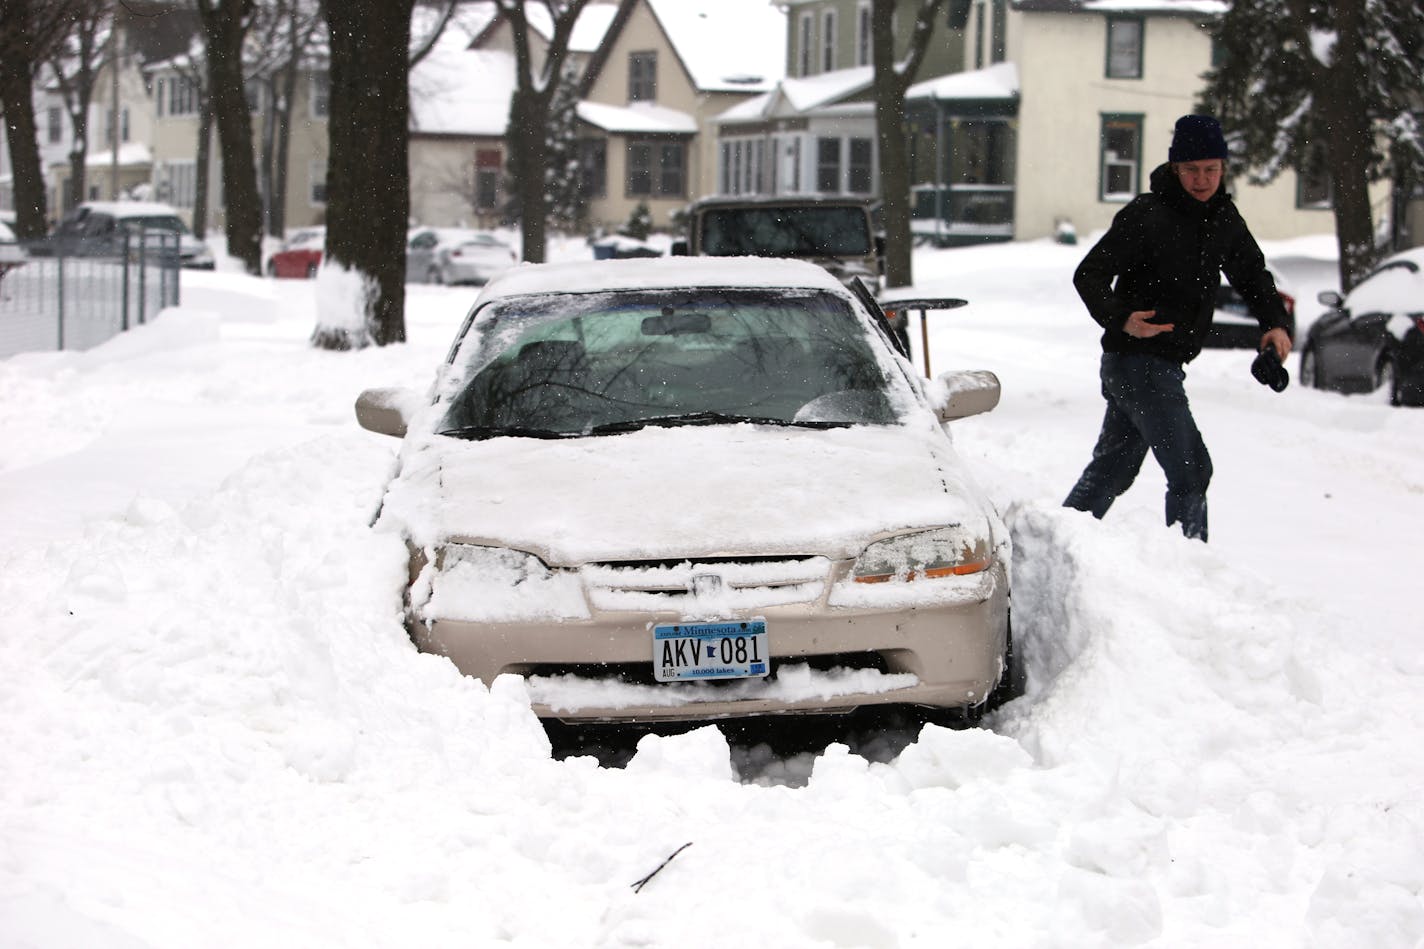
481,432
707,418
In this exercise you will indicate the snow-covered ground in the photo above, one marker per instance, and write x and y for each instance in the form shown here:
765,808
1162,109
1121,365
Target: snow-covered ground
214,732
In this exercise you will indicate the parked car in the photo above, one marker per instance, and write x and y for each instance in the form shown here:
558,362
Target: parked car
12,254
300,255
1372,339
682,490
422,248
100,228
1233,326
474,260
842,234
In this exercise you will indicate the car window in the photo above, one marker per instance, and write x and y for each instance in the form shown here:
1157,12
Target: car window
577,363
785,232
161,222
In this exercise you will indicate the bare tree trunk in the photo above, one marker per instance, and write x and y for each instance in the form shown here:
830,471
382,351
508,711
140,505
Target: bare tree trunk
891,80
17,100
200,172
368,172
225,26
1348,149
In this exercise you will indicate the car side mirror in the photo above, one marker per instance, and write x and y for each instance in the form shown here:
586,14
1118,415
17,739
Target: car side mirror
386,411
960,394
1331,299
679,249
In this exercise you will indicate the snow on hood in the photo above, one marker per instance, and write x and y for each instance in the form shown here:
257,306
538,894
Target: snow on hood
685,492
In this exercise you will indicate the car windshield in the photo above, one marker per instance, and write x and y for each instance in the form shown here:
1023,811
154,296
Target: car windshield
161,222
785,232
559,365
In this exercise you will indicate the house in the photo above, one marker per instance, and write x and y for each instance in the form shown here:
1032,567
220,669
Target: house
665,70
1067,108
815,132
460,97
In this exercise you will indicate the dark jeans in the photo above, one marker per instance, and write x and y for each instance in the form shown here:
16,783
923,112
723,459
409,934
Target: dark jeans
1147,408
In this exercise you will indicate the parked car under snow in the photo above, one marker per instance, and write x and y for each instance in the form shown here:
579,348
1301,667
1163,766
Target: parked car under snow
691,488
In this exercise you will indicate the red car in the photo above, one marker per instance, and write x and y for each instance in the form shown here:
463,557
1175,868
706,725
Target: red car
300,255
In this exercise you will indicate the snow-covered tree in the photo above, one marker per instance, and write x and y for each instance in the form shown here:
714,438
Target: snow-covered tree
892,80
1306,83
563,182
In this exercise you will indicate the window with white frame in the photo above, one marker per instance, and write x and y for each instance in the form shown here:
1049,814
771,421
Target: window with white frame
828,41
182,96
1124,47
828,165
320,97
794,159
316,174
56,124
862,34
487,166
158,88
1121,157
179,185
805,36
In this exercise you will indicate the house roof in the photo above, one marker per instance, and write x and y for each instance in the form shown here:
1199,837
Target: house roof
131,155
589,29
726,45
999,81
1208,8
638,118
457,90
802,94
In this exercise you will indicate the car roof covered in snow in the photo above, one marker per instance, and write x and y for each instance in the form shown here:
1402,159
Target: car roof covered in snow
658,273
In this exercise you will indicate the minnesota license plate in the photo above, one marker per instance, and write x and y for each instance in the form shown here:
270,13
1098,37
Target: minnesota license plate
731,650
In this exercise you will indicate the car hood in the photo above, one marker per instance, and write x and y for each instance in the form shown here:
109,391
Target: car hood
664,493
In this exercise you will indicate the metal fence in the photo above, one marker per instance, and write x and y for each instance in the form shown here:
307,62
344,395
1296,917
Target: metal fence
53,298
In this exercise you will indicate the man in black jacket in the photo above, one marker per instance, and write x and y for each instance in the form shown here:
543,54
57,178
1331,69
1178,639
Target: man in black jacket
1150,282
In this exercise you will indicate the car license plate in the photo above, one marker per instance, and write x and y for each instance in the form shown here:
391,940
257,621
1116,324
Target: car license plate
731,650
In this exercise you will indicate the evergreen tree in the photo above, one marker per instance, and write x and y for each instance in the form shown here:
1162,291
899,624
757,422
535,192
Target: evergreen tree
1324,84
563,180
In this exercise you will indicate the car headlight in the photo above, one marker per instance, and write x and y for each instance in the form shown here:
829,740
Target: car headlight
500,564
946,552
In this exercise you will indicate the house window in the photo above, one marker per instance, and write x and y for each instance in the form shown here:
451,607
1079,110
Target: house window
56,128
861,181
1124,47
320,96
180,183
656,169
642,76
252,91
828,165
795,165
158,98
1121,157
998,34
979,35
316,171
593,167
862,34
828,41
1312,182
182,96
487,163
124,124
808,29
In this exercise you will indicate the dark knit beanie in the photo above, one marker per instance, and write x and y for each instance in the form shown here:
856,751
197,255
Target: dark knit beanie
1197,137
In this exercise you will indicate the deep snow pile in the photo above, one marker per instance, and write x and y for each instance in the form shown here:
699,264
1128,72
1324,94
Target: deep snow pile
214,731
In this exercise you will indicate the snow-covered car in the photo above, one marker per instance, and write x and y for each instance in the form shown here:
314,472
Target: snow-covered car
1372,339
102,228
300,255
474,260
1233,326
683,489
422,250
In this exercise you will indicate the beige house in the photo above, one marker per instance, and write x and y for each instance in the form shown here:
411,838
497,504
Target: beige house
1085,96
666,69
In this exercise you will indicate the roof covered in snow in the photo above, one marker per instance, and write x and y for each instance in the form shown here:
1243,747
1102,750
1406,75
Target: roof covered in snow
638,118
999,81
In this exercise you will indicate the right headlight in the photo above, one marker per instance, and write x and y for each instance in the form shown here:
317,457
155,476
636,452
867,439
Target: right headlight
944,552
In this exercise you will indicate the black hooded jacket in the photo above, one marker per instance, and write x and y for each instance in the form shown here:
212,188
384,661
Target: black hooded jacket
1166,251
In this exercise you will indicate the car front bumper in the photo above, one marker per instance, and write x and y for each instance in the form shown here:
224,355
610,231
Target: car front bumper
947,654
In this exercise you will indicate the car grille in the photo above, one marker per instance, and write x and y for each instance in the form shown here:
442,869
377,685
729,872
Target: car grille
641,673
731,583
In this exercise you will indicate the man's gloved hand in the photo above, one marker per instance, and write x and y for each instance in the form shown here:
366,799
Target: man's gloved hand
1268,370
